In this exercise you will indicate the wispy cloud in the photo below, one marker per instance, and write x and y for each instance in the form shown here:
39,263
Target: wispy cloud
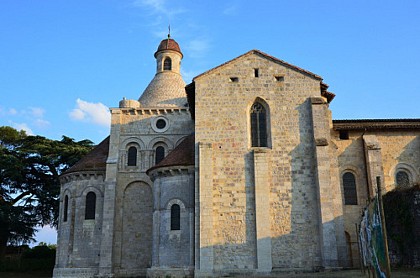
232,9
96,113
12,111
22,119
187,75
160,7
36,112
8,112
197,48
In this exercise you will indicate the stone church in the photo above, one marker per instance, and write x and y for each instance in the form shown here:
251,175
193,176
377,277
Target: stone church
241,172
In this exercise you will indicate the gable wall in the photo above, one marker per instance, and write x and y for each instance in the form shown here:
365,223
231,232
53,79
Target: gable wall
287,169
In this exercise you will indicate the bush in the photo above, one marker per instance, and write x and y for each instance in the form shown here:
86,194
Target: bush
41,257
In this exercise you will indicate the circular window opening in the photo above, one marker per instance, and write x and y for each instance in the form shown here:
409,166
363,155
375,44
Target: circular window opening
160,123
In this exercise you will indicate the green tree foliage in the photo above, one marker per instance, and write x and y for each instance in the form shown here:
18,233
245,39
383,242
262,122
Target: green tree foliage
29,181
401,216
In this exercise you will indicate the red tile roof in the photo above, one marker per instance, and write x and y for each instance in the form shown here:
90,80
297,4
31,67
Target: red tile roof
168,44
95,160
182,155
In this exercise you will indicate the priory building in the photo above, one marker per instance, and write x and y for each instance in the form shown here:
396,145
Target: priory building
241,172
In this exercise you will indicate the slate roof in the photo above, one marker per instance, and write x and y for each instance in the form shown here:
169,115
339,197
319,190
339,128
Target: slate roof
182,155
95,160
376,124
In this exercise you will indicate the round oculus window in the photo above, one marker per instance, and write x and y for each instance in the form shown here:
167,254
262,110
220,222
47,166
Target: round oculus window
160,124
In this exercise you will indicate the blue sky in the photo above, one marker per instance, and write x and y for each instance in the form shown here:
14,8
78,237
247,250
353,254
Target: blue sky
64,63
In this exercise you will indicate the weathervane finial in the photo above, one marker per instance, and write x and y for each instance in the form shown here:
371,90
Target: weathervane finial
169,31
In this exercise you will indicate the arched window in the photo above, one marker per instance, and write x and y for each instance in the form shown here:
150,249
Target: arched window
175,217
167,64
132,156
350,191
66,208
402,179
258,125
90,207
160,154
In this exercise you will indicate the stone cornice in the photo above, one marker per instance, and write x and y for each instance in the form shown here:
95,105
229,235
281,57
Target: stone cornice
170,171
149,110
82,175
377,124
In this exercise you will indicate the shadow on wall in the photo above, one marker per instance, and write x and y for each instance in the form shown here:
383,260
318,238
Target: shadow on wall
292,211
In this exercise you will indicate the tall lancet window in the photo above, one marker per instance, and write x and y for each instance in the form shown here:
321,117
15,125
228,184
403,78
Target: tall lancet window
167,64
258,115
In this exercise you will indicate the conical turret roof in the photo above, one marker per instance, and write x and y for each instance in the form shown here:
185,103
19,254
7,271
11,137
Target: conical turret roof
165,90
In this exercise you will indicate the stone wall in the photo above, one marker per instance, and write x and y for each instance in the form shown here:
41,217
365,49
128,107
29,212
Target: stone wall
230,176
79,239
173,249
398,149
133,215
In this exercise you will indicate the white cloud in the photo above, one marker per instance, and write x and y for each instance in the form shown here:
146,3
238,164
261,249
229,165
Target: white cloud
96,113
22,126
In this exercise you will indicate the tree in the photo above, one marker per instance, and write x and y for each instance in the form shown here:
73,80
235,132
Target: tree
29,181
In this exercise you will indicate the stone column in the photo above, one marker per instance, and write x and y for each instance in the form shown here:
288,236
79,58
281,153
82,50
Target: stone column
327,225
108,220
107,242
262,210
204,261
156,223
373,162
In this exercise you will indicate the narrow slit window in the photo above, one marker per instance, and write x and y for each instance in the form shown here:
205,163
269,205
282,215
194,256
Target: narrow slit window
256,73
132,156
279,78
66,208
175,217
90,208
